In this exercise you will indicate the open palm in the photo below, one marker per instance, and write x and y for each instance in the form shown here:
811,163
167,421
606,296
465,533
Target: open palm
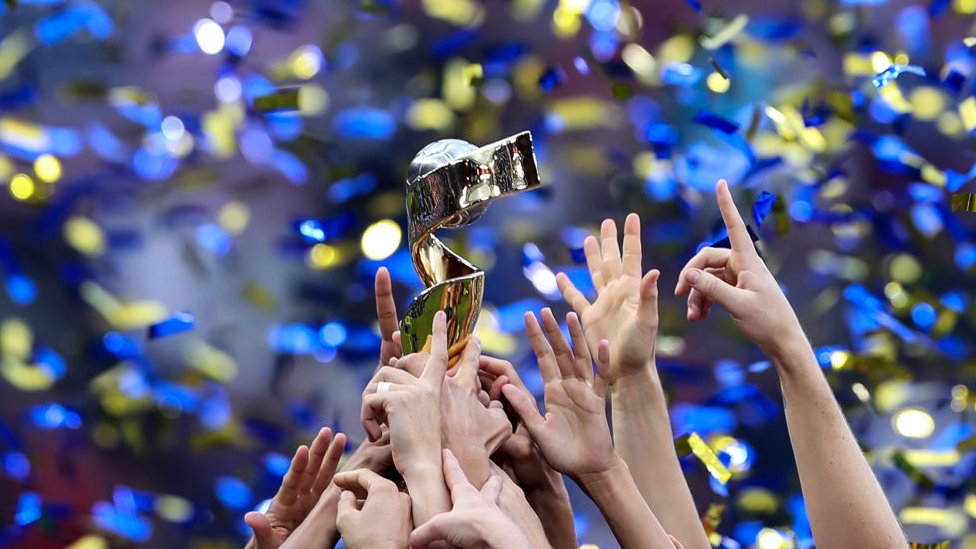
574,436
625,310
309,474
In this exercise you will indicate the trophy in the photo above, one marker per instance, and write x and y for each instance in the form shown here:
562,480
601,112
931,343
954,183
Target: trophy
449,184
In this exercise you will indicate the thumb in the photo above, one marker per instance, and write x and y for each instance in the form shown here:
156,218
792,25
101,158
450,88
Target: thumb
714,288
427,533
262,530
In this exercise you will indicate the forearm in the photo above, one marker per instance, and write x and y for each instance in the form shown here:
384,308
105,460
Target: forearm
513,503
845,503
425,484
474,462
553,508
644,440
632,521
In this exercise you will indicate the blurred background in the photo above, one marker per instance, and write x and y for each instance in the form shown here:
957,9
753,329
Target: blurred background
194,198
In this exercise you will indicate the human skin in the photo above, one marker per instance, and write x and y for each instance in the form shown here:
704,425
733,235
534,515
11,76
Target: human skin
845,504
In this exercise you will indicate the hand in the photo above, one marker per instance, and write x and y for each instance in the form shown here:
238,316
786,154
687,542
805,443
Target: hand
409,405
381,521
309,474
738,279
390,344
574,436
519,453
475,521
471,428
625,310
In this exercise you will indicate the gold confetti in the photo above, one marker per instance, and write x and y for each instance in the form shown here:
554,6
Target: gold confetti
964,202
692,443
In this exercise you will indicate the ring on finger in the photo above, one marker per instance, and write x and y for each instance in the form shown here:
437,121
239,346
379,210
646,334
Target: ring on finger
383,387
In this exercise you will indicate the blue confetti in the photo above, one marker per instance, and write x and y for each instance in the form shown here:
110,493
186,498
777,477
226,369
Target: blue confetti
233,493
54,416
888,75
176,324
28,509
716,122
364,123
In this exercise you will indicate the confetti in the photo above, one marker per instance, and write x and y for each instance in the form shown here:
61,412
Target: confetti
693,444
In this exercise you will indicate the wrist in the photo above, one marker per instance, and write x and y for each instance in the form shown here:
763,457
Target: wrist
633,391
603,477
790,352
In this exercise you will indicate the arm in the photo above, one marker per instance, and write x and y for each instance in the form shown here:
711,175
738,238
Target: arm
625,313
845,503
574,436
475,520
544,487
615,493
410,406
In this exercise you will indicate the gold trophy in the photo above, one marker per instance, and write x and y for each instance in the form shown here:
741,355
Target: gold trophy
450,184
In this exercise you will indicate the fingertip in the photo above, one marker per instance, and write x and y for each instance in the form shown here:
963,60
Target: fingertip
692,276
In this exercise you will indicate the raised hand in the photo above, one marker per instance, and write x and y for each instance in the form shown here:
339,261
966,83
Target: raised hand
574,436
309,474
475,520
738,279
625,310
372,512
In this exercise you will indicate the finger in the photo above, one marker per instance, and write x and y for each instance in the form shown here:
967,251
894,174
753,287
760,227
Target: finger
467,372
498,367
591,249
738,233
583,362
261,526
600,384
496,387
413,363
373,414
492,489
543,352
647,306
571,294
454,476
389,374
526,409
706,258
329,464
345,508
437,363
714,288
560,348
484,398
675,542
632,246
362,482
288,493
611,250
430,532
386,313
316,453
698,304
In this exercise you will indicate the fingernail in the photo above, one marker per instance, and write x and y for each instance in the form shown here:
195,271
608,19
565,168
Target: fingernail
693,276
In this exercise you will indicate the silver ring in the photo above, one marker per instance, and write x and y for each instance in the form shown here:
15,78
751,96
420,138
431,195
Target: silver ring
383,387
